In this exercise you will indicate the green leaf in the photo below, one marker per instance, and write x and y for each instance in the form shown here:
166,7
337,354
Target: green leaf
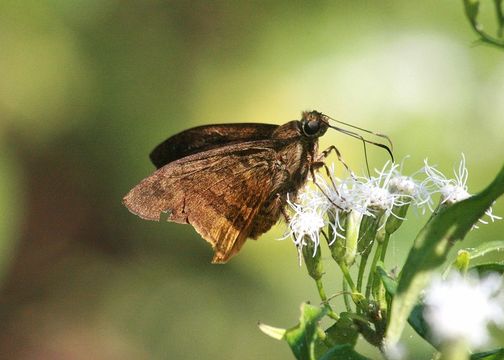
486,268
486,248
274,332
343,331
341,352
431,247
416,319
302,338
497,354
418,323
389,282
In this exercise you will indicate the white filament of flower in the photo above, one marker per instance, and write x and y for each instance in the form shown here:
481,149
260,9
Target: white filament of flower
375,194
333,197
419,194
305,223
453,190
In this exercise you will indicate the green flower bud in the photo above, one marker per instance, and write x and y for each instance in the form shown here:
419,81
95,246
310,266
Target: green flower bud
352,227
394,222
462,261
312,260
367,232
338,246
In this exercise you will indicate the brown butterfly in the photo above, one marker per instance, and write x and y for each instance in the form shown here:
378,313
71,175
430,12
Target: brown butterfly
231,181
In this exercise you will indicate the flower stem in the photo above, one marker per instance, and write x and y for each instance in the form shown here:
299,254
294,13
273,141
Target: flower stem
346,297
347,277
371,277
362,268
385,246
471,10
323,297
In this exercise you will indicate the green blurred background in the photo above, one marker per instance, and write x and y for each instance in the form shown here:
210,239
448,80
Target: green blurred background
89,87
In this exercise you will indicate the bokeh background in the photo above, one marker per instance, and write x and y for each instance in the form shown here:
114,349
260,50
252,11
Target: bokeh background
89,87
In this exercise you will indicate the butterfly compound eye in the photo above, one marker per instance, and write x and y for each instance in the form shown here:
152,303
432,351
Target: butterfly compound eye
311,127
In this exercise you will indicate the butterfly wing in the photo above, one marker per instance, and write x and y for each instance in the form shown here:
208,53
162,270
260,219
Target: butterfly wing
204,138
218,191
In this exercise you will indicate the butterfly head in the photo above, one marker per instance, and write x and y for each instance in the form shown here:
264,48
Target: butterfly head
314,124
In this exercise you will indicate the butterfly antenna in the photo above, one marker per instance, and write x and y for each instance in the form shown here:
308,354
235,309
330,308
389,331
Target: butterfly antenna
363,130
366,157
364,140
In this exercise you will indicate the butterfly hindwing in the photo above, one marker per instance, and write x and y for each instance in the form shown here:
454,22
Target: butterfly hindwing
219,192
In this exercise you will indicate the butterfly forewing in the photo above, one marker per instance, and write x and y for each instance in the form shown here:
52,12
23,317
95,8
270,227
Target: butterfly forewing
204,138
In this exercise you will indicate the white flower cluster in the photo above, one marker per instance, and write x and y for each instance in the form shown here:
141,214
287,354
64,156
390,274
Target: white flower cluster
452,190
328,200
460,309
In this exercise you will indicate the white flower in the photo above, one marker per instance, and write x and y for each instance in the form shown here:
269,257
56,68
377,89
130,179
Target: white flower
453,190
381,193
339,193
334,196
461,308
414,191
402,184
307,221
312,198
395,352
374,193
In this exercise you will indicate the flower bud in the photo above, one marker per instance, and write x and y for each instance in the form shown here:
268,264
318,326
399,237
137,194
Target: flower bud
352,227
395,221
311,256
367,232
462,261
338,246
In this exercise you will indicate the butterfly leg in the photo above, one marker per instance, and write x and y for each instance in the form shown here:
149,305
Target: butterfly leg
324,154
319,162
314,167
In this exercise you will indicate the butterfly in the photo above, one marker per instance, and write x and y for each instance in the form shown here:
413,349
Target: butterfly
231,181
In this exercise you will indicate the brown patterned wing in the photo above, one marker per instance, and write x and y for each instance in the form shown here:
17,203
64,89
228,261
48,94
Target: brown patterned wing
218,191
